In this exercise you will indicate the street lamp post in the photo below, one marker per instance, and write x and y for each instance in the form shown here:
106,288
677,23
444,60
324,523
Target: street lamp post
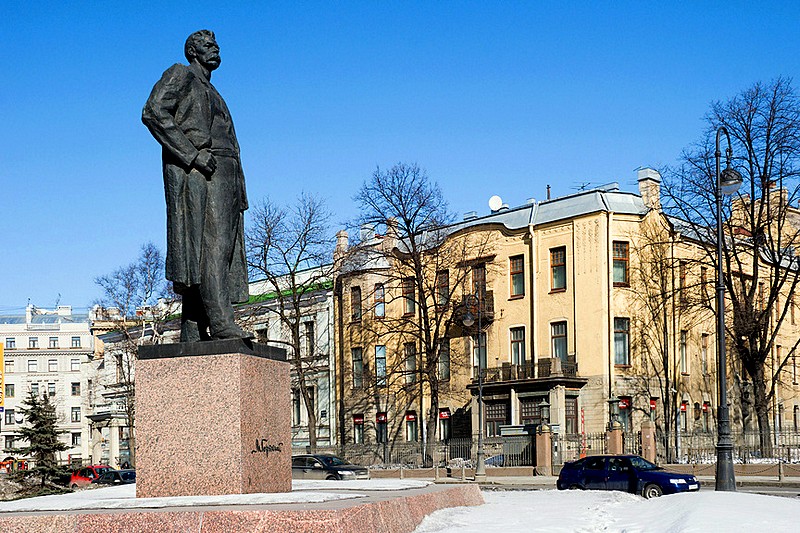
727,183
468,320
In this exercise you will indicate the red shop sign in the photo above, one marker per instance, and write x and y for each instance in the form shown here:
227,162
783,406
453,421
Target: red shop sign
624,403
444,414
683,407
652,404
380,417
358,419
411,416
706,407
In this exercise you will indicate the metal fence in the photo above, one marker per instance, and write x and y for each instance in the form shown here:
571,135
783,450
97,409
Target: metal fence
700,447
520,450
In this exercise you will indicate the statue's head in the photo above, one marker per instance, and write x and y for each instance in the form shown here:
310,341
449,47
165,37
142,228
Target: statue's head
201,46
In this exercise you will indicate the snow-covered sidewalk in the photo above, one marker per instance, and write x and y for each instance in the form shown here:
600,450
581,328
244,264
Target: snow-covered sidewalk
595,511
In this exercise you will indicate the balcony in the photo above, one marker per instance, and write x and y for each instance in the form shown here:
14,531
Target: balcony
543,368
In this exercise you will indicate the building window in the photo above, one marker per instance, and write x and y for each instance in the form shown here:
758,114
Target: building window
558,268
380,365
75,365
9,390
11,442
35,389
442,288
479,352
791,309
410,350
684,415
625,406
33,343
620,251
704,353
52,365
76,388
409,307
381,428
794,370
75,414
295,407
444,359
445,430
11,343
622,347
9,366
704,282
76,342
706,416
52,342
355,303
10,421
310,338
380,301
76,439
496,416
358,429
412,433
51,389
358,368
518,346
33,365
479,280
683,352
529,411
558,339
517,274
571,415
796,417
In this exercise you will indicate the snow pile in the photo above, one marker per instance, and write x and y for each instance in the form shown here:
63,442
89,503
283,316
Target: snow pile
596,511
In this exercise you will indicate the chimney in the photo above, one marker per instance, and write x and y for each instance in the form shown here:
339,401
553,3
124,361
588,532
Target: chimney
650,187
342,243
392,234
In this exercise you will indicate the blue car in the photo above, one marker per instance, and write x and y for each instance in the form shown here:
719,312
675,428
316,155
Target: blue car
629,473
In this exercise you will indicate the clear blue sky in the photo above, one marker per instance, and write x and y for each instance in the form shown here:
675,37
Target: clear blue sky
490,97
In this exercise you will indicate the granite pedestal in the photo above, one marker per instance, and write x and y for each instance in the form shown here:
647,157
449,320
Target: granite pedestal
212,418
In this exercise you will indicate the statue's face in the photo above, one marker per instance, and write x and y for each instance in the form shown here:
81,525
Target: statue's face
206,52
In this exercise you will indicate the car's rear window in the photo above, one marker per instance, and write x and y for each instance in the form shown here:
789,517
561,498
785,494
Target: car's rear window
128,476
642,464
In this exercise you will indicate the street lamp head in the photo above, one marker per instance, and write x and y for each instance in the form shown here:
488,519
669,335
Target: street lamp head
468,320
729,181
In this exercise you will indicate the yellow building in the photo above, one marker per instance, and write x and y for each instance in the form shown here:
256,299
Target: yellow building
592,310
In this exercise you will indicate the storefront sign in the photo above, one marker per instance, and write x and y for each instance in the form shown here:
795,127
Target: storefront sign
444,414
380,417
624,403
411,416
652,404
358,419
683,407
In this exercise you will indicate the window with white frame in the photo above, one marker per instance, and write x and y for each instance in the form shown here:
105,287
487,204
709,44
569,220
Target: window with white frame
52,365
9,366
75,365
33,343
51,389
33,365
518,345
380,365
11,343
75,414
358,367
622,346
76,342
52,342
558,340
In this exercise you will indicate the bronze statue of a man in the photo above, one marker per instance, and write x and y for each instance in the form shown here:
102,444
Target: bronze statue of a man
205,191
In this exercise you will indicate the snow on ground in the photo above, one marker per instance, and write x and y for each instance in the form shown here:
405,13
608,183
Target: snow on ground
611,512
124,497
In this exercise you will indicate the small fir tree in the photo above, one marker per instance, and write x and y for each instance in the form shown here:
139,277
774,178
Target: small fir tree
42,436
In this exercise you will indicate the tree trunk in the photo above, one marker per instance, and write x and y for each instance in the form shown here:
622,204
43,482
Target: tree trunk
432,420
312,426
762,411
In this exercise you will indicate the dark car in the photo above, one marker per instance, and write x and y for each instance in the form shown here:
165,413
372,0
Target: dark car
629,473
116,477
322,466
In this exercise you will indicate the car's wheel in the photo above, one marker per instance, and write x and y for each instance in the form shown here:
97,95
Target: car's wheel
74,486
652,491
575,486
331,477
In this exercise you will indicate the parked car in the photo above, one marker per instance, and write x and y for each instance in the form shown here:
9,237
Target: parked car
116,477
85,475
629,473
323,466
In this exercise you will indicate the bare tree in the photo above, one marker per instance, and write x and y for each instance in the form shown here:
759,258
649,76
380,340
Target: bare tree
135,304
291,248
429,260
762,226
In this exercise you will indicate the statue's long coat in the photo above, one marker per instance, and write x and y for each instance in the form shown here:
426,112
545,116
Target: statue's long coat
179,114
